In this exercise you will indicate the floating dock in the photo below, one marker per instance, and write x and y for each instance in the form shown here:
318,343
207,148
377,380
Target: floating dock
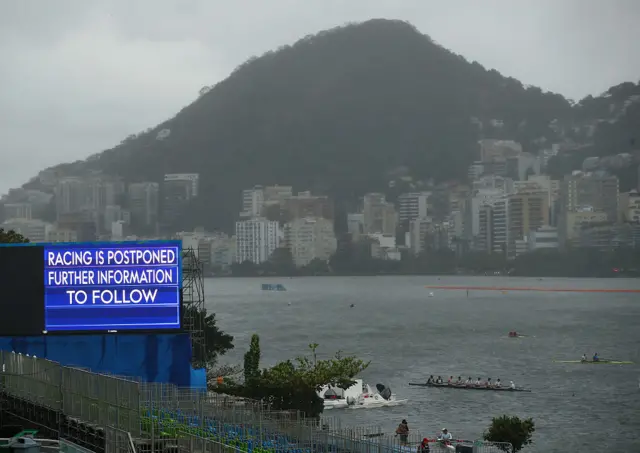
273,287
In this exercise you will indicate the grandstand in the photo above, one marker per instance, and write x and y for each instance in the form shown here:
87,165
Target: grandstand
80,411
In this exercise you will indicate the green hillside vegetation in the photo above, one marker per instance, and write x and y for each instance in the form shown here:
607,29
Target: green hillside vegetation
335,113
615,119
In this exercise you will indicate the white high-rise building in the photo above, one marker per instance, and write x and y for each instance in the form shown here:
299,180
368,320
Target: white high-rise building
500,224
252,202
418,229
310,238
545,237
256,239
472,210
413,206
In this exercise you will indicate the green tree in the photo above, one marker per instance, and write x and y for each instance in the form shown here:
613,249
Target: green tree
280,262
293,384
513,430
316,267
252,361
216,342
11,237
245,269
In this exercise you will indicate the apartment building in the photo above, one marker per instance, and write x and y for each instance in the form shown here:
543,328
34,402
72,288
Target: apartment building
414,205
144,201
572,223
526,213
545,237
310,238
493,229
379,215
252,202
178,189
307,205
35,230
17,211
629,207
597,190
256,239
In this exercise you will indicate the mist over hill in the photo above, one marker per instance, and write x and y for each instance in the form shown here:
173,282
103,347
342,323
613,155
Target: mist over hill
338,111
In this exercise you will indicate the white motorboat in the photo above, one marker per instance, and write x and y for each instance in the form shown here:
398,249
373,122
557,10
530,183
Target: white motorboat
337,398
380,398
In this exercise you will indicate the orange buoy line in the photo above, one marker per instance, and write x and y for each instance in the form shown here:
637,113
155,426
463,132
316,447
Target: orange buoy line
551,290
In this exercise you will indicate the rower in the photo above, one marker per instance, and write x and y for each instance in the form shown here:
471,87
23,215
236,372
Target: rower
439,380
450,380
478,382
430,380
595,357
512,385
583,358
459,381
469,381
488,383
498,384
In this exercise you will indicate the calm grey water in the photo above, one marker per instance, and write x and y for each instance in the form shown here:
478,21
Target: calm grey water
408,335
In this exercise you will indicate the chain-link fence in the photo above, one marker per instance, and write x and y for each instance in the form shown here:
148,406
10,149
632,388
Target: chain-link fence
120,415
118,441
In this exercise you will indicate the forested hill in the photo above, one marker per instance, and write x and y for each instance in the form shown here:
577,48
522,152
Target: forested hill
335,113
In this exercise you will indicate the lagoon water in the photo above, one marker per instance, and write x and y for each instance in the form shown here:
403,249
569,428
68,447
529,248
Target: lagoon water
408,335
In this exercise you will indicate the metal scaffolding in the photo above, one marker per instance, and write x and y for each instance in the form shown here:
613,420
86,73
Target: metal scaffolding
193,319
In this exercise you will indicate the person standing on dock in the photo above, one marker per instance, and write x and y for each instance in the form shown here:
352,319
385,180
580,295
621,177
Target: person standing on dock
403,432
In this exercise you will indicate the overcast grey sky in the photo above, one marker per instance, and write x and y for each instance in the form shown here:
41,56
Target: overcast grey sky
77,76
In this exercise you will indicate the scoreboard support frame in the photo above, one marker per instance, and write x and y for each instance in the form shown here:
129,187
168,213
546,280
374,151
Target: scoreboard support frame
193,302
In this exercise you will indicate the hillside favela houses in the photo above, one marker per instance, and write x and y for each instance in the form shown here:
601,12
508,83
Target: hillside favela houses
508,206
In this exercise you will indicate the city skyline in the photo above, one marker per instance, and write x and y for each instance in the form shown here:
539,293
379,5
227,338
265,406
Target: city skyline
508,206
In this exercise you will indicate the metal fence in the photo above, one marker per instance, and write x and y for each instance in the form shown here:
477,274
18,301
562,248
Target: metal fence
138,417
118,441
66,446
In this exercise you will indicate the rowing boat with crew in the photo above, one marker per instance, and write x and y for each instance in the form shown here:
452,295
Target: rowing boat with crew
469,387
597,362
